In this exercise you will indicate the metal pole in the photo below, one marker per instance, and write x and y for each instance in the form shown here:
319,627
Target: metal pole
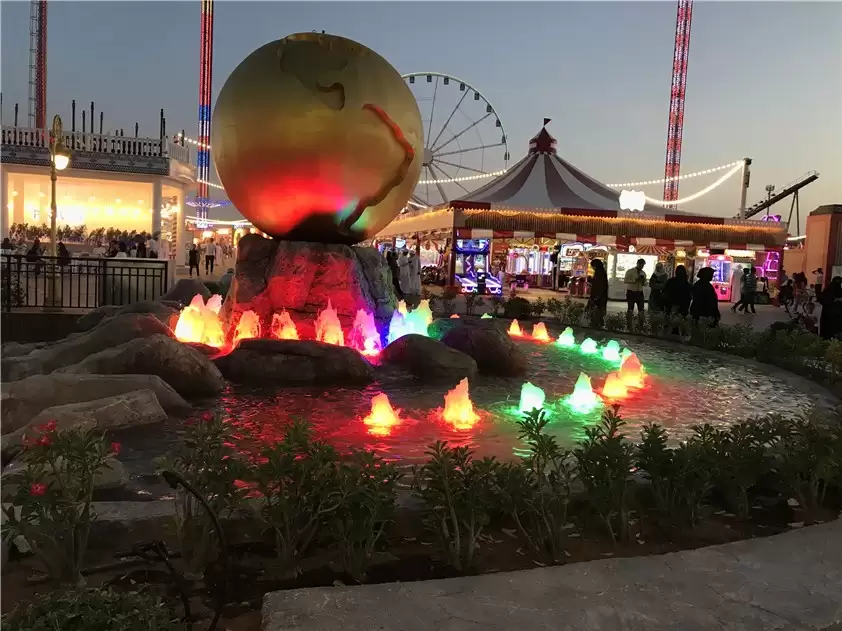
745,182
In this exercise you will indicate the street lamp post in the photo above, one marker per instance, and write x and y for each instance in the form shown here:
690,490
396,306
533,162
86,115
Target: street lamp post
59,159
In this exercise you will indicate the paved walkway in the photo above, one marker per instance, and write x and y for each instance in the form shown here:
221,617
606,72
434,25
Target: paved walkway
788,582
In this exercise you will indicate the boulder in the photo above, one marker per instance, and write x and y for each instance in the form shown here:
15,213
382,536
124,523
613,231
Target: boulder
111,477
18,349
429,359
185,290
75,348
23,400
187,370
292,362
123,410
166,312
493,350
302,277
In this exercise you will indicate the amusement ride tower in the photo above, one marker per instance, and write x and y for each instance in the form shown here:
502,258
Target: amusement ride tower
205,86
672,168
38,64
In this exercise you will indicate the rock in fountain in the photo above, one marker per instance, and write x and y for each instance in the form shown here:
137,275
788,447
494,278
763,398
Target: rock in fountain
531,398
382,418
583,399
588,347
458,408
283,328
364,335
328,327
514,329
611,351
566,338
539,332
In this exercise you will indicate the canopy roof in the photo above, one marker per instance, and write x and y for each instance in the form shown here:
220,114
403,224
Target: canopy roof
542,180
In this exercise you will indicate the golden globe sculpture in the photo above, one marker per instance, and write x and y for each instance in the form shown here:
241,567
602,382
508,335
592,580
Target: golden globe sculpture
317,138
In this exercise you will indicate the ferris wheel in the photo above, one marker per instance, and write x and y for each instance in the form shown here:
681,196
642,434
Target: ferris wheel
465,142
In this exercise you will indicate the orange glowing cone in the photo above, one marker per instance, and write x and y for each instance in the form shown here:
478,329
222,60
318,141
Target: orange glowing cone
248,327
283,328
631,372
458,408
539,332
514,329
614,387
455,316
383,418
200,324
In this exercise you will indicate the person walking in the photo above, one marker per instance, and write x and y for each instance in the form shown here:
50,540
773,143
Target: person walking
740,304
749,291
657,282
787,296
705,301
678,294
598,300
210,256
635,280
193,260
392,262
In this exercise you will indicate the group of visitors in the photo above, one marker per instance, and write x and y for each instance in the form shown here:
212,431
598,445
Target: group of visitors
406,272
209,251
673,295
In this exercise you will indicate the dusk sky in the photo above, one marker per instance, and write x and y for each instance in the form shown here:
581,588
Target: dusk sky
765,79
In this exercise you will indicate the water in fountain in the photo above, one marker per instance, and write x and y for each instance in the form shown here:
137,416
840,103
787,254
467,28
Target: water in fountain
611,351
328,327
382,417
402,307
531,398
283,328
397,327
514,329
631,372
588,347
364,335
458,408
614,387
199,324
215,303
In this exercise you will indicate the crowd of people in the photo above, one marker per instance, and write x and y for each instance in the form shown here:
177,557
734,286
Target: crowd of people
210,253
677,295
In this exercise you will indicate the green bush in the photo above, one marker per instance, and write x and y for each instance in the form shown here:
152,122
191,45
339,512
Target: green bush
538,307
458,496
517,308
615,322
93,610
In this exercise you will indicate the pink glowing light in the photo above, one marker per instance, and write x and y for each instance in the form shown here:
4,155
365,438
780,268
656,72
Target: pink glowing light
364,335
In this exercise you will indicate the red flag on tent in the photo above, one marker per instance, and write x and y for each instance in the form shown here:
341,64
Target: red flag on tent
546,120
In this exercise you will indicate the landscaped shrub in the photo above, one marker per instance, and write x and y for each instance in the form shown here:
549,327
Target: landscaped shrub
94,610
517,308
615,322
555,307
472,303
538,307
604,460
536,492
497,303
298,480
51,503
445,304
458,494
367,492
680,479
209,461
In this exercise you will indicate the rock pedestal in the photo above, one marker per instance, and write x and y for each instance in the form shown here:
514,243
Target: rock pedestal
300,277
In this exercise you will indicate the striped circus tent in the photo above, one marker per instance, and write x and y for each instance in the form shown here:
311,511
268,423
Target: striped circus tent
542,180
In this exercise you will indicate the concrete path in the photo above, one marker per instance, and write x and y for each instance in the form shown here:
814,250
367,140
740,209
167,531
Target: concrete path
788,582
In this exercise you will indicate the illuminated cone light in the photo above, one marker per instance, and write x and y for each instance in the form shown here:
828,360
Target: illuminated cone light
583,399
402,307
631,372
215,303
397,327
611,351
485,316
539,332
328,327
531,398
364,335
200,324
383,417
458,408
566,338
248,327
614,387
283,328
588,347
514,329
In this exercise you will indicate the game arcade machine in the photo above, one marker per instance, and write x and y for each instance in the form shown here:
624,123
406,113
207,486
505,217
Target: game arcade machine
472,258
721,265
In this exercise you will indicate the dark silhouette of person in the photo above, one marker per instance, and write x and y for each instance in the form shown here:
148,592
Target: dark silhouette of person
63,254
705,301
830,322
598,300
678,293
193,260
392,262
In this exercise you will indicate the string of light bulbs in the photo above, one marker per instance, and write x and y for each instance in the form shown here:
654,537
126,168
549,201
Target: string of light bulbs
686,176
697,194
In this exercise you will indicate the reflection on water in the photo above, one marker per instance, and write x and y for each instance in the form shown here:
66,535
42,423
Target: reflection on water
682,389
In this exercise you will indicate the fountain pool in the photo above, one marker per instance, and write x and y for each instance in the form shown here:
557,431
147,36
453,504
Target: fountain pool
683,388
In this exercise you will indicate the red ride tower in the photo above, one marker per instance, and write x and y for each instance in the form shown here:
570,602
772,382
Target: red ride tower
680,56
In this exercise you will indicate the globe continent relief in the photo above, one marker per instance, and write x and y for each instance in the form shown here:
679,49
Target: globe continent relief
317,138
